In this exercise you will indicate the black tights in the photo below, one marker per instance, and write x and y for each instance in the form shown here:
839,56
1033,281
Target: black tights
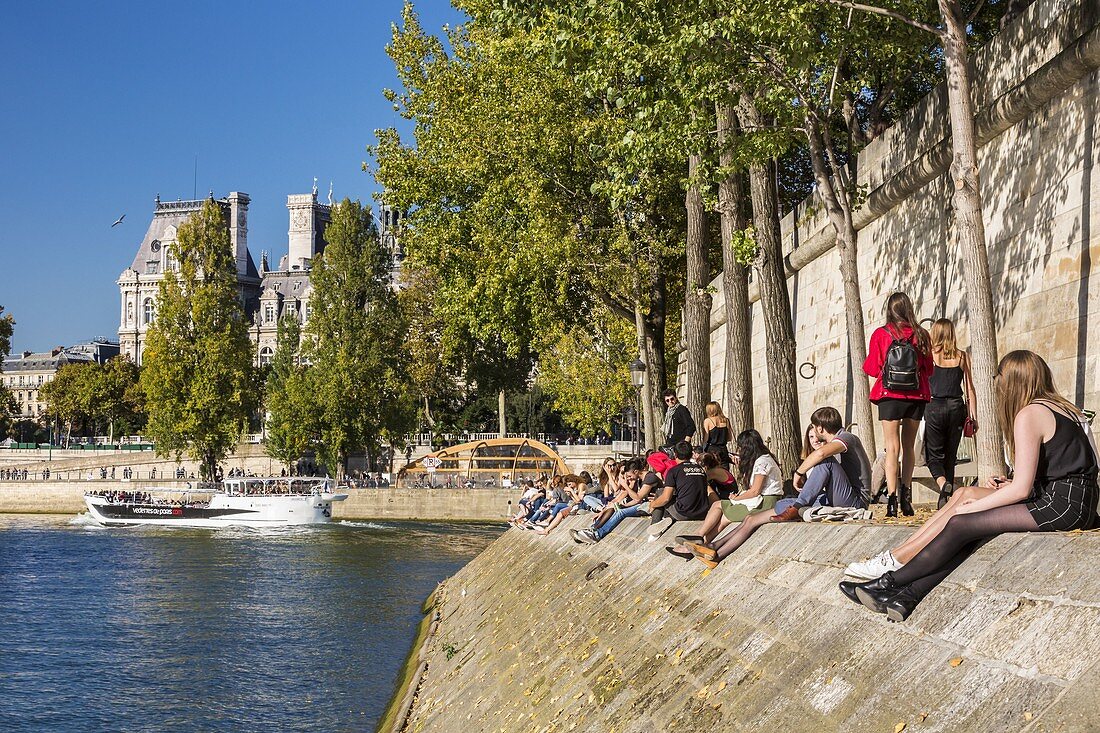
961,536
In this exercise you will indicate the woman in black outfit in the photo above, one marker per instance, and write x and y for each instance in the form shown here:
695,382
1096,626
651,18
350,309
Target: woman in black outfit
947,412
1053,489
716,434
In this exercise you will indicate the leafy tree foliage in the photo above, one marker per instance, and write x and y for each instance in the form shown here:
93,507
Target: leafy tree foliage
96,395
197,374
354,342
7,399
291,420
585,372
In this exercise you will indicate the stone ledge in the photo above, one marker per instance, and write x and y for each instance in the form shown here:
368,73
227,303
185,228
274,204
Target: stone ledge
763,642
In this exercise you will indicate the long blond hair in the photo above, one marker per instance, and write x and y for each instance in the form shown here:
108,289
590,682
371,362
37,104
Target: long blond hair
1022,378
943,339
713,409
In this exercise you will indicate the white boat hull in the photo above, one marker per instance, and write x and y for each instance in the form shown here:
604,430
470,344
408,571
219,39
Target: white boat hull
223,510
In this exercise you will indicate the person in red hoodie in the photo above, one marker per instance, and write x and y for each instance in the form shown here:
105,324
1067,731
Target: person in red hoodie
900,408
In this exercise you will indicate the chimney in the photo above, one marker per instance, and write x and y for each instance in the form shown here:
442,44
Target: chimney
238,229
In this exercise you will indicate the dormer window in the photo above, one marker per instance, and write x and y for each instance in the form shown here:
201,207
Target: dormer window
152,267
269,313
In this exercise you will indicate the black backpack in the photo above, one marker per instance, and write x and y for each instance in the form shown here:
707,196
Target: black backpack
901,371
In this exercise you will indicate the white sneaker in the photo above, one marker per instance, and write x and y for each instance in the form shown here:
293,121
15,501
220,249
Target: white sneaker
876,567
657,528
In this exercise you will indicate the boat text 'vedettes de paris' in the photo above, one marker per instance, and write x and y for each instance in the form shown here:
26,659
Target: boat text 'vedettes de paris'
236,502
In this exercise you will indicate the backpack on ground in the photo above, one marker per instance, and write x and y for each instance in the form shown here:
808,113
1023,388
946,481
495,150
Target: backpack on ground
901,370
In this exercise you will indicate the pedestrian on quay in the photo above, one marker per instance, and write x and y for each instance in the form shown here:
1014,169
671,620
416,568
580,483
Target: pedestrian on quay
951,407
716,434
899,359
678,424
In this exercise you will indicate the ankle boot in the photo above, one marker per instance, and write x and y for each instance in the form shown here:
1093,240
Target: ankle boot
891,505
875,594
901,606
905,498
946,491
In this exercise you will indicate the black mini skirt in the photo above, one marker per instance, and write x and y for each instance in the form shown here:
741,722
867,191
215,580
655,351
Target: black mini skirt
891,408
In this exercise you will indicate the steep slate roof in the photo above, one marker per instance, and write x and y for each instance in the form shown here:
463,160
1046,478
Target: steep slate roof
173,214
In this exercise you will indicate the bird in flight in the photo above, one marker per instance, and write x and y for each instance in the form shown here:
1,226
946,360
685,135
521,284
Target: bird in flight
118,221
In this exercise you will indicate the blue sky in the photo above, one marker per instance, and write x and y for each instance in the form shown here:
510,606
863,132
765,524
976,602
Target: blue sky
107,104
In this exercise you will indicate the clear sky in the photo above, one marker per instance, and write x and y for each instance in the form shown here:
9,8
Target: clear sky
107,104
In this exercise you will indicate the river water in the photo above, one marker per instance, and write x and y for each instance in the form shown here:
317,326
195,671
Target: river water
168,629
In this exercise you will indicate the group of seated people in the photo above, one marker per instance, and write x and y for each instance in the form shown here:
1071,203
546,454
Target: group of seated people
1053,487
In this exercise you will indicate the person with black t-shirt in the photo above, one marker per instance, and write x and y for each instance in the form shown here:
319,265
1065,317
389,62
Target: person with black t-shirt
686,494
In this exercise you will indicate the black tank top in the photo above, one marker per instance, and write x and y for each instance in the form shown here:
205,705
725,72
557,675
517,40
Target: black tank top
718,436
1067,453
946,381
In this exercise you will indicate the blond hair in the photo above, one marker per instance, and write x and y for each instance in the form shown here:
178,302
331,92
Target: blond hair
943,339
1022,378
713,409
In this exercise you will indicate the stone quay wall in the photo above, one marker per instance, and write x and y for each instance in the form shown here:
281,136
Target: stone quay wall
1042,203
541,634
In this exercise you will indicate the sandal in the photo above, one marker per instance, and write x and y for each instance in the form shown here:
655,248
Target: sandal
703,552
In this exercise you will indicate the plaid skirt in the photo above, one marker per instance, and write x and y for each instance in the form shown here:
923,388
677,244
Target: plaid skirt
1065,504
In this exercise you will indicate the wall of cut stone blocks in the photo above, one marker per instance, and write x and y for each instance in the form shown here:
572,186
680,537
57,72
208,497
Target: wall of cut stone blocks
1042,206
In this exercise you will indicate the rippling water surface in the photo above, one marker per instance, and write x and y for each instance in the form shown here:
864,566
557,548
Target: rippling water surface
157,629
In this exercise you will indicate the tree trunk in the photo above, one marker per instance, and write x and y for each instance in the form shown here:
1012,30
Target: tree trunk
502,424
775,303
697,300
735,285
646,397
970,233
835,194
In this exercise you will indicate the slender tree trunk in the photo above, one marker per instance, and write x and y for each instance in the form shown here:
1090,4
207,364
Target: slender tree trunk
735,284
646,397
834,192
970,232
697,300
502,422
775,304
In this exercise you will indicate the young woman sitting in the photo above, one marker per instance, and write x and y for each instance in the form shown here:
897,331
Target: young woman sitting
759,473
1053,488
841,482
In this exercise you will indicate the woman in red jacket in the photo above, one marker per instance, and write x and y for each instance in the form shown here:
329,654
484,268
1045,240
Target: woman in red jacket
900,360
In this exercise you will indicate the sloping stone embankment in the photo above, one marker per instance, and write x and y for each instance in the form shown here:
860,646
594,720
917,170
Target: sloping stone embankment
541,634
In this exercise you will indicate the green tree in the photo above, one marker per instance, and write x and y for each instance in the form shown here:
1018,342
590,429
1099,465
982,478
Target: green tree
585,373
116,395
197,374
354,341
70,395
7,399
290,420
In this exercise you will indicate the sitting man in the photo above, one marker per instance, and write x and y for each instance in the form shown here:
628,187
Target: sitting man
686,494
840,483
632,500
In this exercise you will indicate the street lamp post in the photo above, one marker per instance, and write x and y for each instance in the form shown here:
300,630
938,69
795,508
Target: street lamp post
637,378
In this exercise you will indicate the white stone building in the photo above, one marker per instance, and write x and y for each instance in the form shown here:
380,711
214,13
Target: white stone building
267,294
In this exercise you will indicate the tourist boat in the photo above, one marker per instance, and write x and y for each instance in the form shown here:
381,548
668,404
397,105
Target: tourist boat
236,502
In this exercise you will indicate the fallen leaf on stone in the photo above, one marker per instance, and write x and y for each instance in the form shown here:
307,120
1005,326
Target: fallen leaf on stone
1028,715
923,717
721,685
899,727
956,661
703,693
716,704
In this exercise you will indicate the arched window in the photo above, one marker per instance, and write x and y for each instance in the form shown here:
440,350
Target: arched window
266,356
149,311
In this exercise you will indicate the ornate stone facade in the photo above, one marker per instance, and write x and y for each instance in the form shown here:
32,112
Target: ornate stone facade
267,294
